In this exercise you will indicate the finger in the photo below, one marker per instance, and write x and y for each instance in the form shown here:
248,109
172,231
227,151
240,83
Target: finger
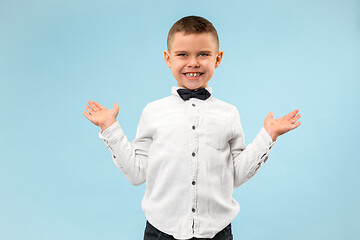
270,115
86,115
116,107
89,110
101,107
295,125
294,119
93,106
89,102
290,115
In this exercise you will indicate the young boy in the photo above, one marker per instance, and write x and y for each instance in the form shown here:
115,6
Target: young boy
189,146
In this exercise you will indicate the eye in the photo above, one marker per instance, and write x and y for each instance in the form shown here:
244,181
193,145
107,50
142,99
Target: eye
181,54
204,54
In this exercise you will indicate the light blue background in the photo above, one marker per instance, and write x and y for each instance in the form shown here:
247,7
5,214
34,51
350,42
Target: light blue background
57,179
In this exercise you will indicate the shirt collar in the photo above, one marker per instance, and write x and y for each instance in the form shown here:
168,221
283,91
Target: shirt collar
175,88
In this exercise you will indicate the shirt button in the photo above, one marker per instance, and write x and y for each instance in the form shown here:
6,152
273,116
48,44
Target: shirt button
114,156
193,154
193,182
193,104
193,210
193,127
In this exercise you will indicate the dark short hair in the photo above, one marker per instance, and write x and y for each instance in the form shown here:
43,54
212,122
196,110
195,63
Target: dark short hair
192,24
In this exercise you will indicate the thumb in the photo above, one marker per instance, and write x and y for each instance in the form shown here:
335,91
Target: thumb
270,115
116,108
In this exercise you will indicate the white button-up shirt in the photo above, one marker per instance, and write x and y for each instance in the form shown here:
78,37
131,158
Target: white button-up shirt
191,154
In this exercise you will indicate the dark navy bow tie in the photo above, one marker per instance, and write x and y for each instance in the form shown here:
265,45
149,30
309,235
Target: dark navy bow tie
186,94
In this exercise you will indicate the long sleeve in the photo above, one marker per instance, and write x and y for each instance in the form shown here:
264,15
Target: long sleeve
191,155
130,158
247,160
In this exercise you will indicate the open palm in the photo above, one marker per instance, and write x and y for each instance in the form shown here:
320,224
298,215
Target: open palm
279,126
100,115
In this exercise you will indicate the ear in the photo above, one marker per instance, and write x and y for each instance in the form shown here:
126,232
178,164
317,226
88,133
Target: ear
167,59
219,58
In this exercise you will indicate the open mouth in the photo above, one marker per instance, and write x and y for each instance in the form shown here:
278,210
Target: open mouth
195,74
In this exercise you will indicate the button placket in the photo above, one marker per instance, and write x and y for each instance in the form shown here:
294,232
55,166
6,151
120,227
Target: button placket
193,130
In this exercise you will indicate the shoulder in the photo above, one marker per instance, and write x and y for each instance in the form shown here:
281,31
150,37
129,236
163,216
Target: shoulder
160,104
223,107
222,103
160,107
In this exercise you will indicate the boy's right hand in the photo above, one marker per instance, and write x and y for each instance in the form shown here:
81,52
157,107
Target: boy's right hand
101,116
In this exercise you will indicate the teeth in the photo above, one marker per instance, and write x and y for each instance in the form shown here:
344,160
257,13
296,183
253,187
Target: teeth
193,74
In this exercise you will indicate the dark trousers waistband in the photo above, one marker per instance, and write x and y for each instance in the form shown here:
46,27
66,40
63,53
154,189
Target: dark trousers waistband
152,233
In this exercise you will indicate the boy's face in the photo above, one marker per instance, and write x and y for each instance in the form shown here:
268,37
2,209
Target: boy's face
193,59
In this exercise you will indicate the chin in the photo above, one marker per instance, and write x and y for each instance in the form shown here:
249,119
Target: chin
194,86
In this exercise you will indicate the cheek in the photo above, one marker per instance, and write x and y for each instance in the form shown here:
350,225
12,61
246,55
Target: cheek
176,70
178,65
209,63
210,66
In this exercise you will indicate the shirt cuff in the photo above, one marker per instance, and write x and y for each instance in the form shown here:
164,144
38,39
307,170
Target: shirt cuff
264,141
112,133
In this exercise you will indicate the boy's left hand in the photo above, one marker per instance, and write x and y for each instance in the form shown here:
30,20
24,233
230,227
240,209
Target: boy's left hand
277,127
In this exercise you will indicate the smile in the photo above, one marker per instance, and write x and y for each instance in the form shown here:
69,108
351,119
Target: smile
192,74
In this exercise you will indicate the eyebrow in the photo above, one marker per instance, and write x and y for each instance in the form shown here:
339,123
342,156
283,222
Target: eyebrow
205,51
177,52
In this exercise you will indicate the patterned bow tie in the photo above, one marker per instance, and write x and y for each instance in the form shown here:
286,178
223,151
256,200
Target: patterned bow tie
186,94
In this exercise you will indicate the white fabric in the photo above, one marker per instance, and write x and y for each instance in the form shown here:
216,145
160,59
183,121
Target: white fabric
178,142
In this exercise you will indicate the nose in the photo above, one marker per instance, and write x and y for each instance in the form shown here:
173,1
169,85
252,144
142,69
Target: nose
193,62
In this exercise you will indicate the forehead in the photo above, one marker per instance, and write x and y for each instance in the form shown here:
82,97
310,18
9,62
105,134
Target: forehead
193,42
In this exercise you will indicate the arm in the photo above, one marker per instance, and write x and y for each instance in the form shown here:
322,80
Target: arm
247,160
130,158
